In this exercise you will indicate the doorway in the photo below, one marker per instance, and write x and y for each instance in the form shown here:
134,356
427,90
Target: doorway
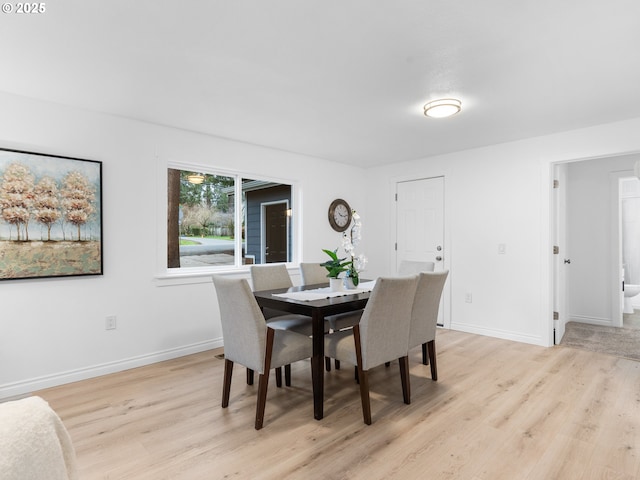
629,231
587,272
276,232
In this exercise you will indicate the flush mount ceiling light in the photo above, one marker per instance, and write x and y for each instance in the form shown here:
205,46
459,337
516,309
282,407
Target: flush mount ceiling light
442,108
196,178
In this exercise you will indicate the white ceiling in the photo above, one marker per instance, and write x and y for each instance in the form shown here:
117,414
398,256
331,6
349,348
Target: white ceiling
342,80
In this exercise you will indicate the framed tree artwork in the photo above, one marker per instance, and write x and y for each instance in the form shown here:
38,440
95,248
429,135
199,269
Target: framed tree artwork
50,216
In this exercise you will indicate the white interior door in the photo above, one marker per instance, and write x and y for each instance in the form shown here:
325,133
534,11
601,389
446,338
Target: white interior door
561,260
420,226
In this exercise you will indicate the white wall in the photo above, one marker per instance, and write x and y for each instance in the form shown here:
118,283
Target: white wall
493,195
590,223
53,330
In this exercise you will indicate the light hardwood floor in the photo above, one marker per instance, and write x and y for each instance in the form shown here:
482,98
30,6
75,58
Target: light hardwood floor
500,410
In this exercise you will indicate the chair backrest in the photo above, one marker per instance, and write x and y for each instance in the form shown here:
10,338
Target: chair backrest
313,273
410,267
424,315
244,331
385,322
267,277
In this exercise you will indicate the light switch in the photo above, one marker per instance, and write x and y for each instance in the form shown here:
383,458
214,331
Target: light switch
502,249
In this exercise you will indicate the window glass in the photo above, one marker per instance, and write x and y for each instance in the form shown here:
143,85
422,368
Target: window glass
209,226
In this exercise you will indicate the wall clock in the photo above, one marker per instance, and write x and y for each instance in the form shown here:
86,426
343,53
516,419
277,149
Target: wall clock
339,215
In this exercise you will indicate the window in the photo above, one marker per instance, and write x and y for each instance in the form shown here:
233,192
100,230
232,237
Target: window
225,220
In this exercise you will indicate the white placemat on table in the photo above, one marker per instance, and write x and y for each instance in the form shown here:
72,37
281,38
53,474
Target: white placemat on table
325,292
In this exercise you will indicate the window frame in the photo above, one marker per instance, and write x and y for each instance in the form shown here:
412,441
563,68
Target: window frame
166,275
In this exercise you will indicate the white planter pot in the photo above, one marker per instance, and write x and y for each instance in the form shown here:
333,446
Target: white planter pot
336,284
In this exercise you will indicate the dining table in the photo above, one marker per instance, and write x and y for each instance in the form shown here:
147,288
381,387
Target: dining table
316,302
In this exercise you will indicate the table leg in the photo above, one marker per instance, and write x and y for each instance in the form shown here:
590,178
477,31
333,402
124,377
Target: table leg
317,364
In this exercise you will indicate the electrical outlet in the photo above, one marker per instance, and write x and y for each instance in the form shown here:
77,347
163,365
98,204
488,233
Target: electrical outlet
502,249
468,297
110,322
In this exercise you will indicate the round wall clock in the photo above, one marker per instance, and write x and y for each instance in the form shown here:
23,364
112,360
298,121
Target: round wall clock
339,215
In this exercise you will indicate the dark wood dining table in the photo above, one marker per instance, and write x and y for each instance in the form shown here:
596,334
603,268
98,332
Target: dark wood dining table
318,310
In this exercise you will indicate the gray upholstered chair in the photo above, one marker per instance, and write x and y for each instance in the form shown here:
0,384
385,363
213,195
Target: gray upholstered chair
313,273
252,343
424,316
343,321
381,335
410,267
269,277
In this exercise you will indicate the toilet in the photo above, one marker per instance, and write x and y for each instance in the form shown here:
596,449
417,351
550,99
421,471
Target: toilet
630,291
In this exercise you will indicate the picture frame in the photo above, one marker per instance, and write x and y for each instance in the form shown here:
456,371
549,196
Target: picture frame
50,216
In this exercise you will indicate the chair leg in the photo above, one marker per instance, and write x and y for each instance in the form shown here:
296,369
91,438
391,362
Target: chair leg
249,376
432,358
404,378
327,364
364,396
279,377
226,384
337,362
355,374
387,364
425,359
263,381
287,375
363,376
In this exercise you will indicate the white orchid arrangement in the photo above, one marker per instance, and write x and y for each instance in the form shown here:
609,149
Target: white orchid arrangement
350,240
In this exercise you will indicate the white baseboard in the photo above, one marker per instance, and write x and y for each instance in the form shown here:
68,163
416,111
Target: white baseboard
606,322
21,388
504,334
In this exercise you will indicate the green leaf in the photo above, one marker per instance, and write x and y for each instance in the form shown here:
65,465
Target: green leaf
333,254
